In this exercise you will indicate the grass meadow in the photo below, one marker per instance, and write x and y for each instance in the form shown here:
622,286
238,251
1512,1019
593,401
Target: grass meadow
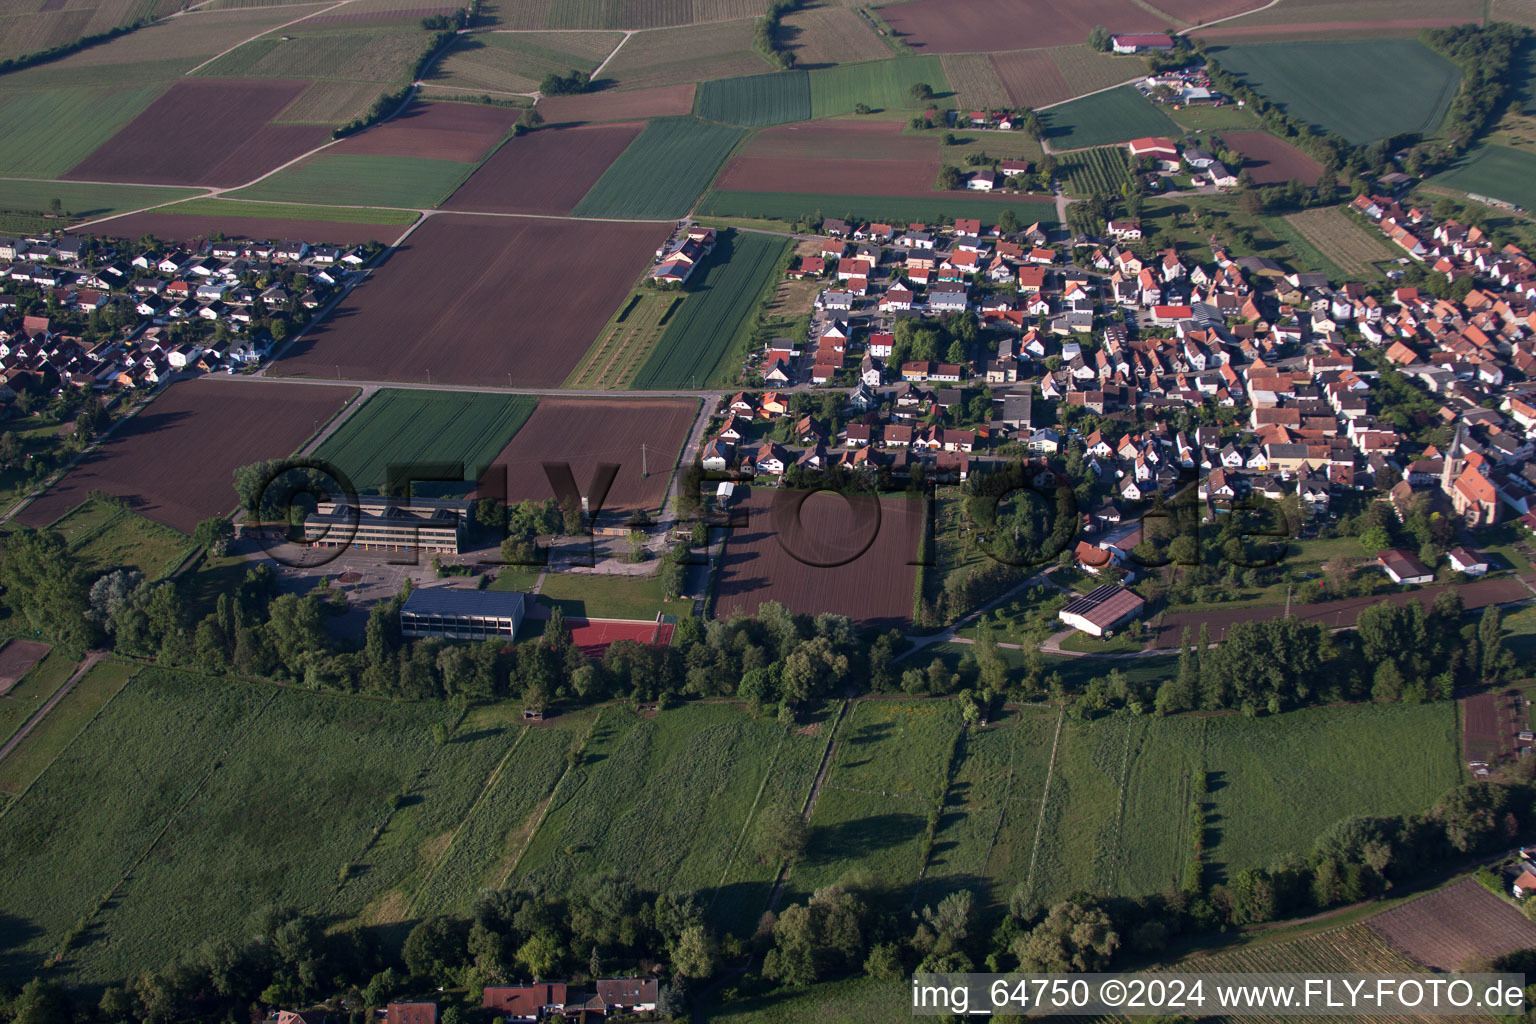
1102,119
26,206
661,173
107,536
1392,86
217,207
701,335
880,85
1497,172
355,180
404,427
29,693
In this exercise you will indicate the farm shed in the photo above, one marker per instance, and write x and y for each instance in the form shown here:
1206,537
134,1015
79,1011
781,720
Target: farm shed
461,614
1102,609
1403,567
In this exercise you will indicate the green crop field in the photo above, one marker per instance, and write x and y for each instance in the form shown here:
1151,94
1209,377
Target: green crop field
1100,171
756,100
700,335
407,427
377,55
705,771
792,206
401,181
879,84
661,173
1362,89
217,207
107,536
33,200
32,144
1102,119
1497,172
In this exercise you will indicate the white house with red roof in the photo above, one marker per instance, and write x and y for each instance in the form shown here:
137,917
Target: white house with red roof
1138,43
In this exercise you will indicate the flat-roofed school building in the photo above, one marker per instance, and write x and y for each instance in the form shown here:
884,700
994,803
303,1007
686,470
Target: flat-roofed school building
462,614
373,523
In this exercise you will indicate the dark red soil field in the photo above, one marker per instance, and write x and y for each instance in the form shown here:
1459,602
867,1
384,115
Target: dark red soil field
174,227
17,659
1273,161
1031,78
875,588
173,461
844,140
1334,614
586,432
205,131
545,171
1446,929
592,636
443,131
963,26
844,177
481,300
1327,29
608,105
1480,739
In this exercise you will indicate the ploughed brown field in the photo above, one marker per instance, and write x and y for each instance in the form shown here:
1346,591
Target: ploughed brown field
1195,11
174,227
963,26
1273,161
1446,929
1334,614
205,131
546,171
443,131
766,559
1031,78
843,157
17,659
481,301
608,105
174,461
587,432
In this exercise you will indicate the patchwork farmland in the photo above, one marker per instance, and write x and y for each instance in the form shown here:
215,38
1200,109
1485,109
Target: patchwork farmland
546,171
1395,86
517,63
879,84
662,172
459,132
522,299
1096,171
702,334
610,105
405,428
875,588
690,53
173,142
954,26
873,157
212,426
1447,929
587,432
331,177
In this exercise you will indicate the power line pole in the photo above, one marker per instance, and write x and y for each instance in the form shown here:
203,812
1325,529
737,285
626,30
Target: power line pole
643,470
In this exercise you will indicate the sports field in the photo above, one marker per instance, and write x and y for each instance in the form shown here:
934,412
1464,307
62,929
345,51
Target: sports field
1118,115
701,334
791,206
662,172
349,179
1496,172
756,100
879,84
1362,89
403,428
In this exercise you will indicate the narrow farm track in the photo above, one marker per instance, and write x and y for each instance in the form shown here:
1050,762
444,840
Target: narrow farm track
1045,799
810,801
37,716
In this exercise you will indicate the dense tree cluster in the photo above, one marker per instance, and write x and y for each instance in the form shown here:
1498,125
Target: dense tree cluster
574,81
766,39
